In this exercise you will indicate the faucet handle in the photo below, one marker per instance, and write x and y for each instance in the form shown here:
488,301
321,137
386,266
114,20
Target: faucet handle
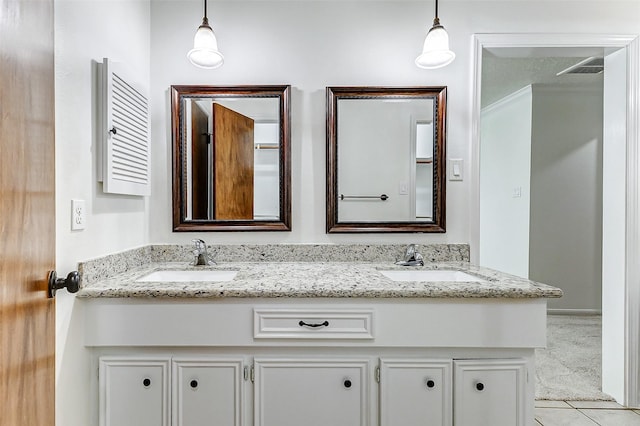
200,253
411,257
410,252
199,244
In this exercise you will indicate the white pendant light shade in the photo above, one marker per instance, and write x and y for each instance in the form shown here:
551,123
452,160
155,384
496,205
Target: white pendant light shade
435,53
205,52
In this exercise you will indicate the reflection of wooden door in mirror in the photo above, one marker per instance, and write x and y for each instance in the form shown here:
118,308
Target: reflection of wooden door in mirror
233,164
200,139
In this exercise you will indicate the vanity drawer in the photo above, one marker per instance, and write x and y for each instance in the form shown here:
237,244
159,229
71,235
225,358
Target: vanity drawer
276,323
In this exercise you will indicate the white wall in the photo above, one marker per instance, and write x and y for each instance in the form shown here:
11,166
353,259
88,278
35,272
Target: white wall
505,171
87,31
545,141
566,193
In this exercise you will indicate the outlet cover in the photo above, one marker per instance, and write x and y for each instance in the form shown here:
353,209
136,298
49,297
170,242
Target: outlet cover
78,215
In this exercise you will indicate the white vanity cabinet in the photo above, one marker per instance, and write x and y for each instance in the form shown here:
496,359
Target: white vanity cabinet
489,392
134,391
312,392
417,391
316,362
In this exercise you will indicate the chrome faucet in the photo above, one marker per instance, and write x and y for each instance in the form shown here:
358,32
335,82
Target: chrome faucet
201,255
411,257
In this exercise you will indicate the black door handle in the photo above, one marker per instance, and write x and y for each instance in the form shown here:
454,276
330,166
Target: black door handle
71,283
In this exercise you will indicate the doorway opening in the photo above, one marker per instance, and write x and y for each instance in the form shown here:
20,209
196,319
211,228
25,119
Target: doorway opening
619,191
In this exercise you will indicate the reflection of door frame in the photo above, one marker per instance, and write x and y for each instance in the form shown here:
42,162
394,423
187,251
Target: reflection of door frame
413,162
632,215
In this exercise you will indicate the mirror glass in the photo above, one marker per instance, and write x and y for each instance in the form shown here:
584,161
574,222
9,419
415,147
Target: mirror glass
231,158
385,152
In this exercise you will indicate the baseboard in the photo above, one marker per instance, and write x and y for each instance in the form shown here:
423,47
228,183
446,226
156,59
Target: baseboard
574,312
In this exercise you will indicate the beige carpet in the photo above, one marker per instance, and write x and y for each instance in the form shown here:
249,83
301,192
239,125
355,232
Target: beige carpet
570,368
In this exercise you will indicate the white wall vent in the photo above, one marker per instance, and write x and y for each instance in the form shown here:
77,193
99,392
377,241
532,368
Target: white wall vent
592,65
123,158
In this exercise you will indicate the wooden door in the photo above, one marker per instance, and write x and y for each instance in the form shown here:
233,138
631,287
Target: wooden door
200,141
27,204
233,164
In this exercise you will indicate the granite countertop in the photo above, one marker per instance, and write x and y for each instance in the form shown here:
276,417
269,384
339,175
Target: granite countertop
315,279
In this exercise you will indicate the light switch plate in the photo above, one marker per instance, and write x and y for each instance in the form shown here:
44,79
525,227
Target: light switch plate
78,215
456,168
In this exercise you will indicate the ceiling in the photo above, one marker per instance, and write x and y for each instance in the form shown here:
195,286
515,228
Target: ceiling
502,76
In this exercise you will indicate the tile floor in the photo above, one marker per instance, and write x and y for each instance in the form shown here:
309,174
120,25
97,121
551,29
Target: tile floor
585,413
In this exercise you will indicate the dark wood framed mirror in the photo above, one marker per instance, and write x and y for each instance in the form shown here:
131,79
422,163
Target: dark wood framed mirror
231,158
386,159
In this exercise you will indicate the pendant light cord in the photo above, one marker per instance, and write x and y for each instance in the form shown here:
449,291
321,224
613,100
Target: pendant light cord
205,7
205,20
436,20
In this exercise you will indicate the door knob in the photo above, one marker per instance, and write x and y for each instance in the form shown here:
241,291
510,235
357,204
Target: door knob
71,283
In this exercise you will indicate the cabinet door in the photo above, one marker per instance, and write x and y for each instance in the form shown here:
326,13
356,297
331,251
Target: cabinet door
415,392
134,392
207,392
297,392
489,392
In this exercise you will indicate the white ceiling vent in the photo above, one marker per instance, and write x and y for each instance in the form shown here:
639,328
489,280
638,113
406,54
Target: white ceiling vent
591,65
123,163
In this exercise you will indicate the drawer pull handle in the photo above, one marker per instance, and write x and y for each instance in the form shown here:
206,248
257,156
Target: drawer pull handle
430,383
306,324
347,383
146,382
193,384
479,386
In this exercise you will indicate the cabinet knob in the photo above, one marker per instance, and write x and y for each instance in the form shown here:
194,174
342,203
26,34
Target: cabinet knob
430,383
347,383
146,382
193,384
479,386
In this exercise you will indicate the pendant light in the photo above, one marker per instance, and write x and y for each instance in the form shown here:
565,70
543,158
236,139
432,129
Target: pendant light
436,53
205,52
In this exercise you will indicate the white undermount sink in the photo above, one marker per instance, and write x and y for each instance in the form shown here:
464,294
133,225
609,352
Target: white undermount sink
431,276
188,276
